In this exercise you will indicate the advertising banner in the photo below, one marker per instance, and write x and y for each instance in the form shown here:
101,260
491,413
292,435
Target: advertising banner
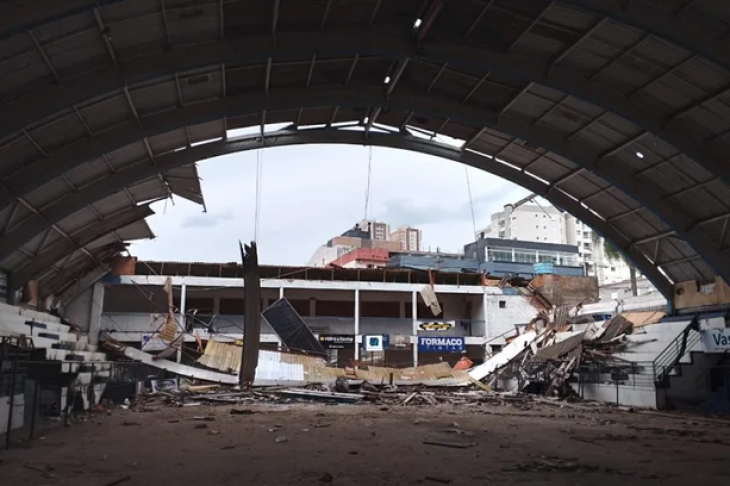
437,325
715,340
373,343
399,341
337,341
441,344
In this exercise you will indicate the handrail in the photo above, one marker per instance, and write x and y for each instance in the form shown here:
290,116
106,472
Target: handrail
678,347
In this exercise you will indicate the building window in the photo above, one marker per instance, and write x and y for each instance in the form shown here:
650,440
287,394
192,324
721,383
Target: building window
502,304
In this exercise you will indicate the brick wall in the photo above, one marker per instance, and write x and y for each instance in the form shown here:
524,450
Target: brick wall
567,290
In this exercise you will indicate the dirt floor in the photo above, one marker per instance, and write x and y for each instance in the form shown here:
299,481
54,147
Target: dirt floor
374,445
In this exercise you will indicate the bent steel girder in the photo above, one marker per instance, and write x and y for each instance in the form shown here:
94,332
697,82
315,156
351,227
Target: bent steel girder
428,105
84,237
396,140
364,41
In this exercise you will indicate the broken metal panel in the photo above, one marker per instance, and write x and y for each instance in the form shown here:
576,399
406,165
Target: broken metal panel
291,329
510,352
559,350
431,300
615,327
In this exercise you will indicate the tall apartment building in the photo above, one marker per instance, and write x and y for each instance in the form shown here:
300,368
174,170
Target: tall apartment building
547,224
526,222
592,252
408,237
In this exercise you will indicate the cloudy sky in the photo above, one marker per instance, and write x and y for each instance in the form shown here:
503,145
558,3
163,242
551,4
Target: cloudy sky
312,193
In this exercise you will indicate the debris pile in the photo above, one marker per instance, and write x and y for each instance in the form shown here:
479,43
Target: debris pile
546,357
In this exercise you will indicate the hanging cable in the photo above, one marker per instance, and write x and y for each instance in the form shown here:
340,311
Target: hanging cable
471,201
367,188
257,207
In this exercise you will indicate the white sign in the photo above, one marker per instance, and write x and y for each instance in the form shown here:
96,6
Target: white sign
715,340
153,342
373,343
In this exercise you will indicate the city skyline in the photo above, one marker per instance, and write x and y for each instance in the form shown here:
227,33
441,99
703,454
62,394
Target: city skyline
335,178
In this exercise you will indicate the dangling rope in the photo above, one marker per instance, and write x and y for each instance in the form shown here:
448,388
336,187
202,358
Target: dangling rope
257,207
471,201
367,189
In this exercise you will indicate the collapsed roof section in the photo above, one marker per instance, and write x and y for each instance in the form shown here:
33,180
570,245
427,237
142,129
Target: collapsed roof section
613,113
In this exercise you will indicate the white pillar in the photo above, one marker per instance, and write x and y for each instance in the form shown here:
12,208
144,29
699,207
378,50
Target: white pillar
281,292
485,310
181,321
357,323
97,307
414,314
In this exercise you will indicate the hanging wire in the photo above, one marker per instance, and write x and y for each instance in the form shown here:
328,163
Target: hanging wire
471,200
257,207
367,188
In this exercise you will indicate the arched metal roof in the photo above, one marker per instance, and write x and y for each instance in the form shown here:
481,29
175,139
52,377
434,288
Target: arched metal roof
616,111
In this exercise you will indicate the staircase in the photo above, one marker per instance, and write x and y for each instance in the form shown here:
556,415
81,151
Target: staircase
61,357
678,352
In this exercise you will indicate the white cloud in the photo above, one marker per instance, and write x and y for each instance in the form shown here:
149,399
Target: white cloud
314,192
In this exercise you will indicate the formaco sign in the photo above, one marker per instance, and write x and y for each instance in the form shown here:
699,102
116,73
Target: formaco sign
441,344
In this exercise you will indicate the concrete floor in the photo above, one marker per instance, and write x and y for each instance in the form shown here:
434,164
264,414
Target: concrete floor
374,445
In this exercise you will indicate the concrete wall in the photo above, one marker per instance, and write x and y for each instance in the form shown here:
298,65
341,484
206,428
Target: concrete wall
692,384
516,310
693,294
623,395
18,412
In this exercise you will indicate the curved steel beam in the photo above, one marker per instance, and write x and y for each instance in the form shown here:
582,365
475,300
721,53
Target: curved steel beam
391,140
32,13
363,41
659,24
86,236
579,154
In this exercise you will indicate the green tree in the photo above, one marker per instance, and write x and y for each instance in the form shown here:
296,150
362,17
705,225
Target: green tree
614,254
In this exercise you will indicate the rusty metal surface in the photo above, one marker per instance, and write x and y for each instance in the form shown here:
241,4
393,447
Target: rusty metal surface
615,327
639,319
283,366
561,349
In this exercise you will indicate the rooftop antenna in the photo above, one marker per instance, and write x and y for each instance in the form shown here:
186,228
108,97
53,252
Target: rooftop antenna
367,187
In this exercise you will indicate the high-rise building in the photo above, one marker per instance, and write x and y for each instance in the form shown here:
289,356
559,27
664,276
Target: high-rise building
526,222
591,248
378,231
408,237
541,222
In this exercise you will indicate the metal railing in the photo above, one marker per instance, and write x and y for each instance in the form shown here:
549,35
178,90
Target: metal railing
668,359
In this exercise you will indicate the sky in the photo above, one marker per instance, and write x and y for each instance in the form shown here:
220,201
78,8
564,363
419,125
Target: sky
312,193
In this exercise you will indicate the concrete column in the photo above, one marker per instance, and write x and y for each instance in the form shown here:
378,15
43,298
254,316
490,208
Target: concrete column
216,305
414,330
281,292
181,321
96,309
485,310
357,323
312,307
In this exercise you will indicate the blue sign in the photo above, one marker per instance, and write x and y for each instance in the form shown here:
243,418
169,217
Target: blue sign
441,344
